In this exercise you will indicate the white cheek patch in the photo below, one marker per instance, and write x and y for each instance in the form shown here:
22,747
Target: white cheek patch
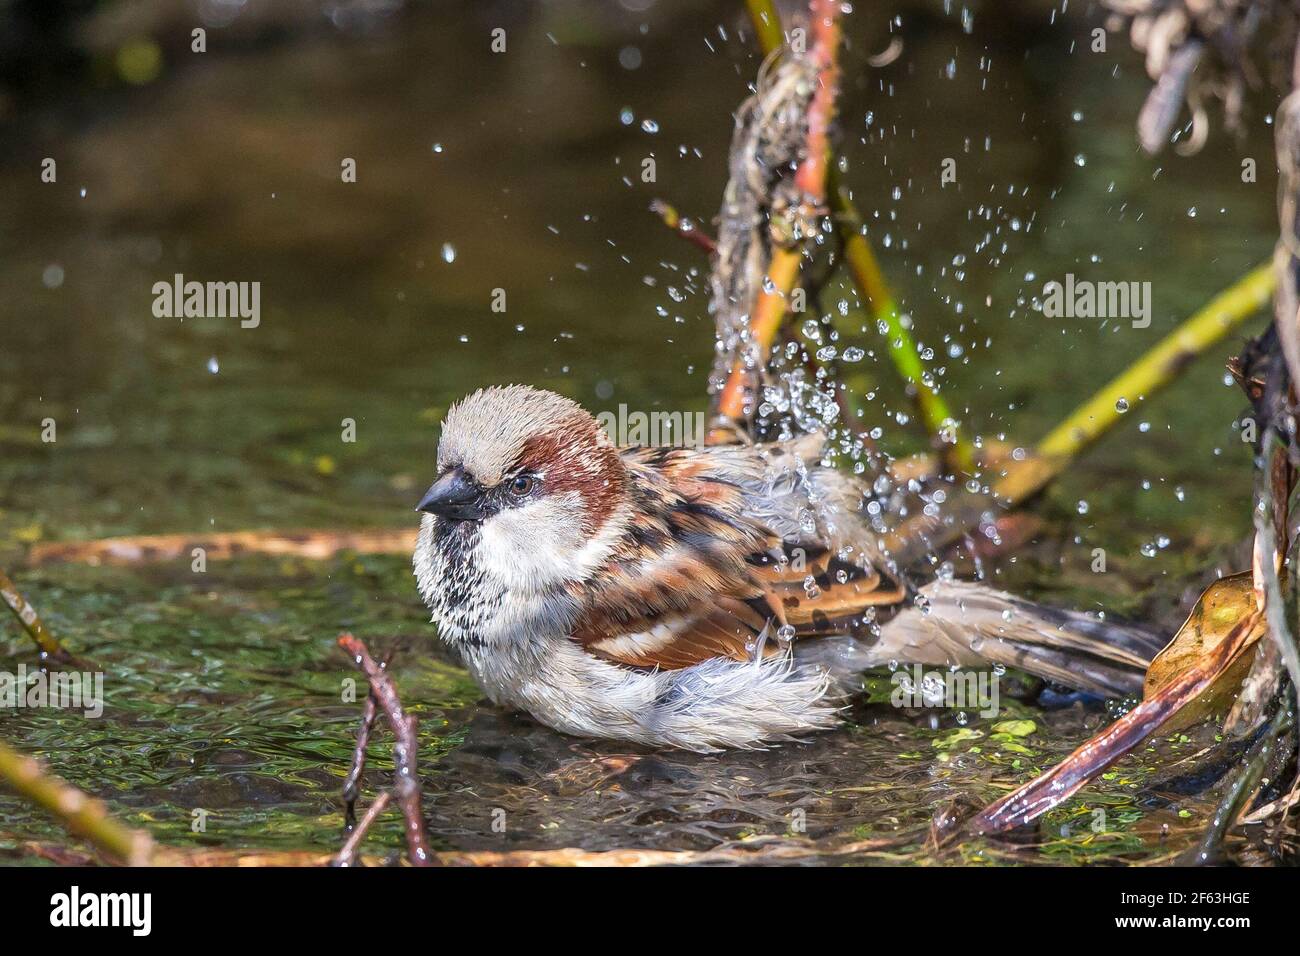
425,563
539,544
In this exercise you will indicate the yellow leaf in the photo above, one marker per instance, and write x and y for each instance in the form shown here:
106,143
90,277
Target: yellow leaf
1223,604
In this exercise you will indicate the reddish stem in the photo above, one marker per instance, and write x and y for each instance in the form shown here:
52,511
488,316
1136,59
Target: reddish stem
811,178
1072,774
407,782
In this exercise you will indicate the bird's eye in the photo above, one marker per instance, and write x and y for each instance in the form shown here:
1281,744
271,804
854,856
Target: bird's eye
522,485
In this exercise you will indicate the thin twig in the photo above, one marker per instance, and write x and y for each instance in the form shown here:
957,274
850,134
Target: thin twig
49,645
688,229
812,172
1279,807
1233,803
767,24
756,851
858,255
1161,365
769,313
347,855
407,781
352,782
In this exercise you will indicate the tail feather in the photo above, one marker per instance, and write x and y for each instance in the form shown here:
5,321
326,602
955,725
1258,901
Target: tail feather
963,624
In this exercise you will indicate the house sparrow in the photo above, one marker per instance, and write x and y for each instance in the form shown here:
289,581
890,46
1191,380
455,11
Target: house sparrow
698,598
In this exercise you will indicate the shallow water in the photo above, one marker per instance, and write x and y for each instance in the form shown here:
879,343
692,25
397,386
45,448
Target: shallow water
223,690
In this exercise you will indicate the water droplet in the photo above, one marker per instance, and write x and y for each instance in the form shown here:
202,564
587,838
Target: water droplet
448,252
213,365
1121,405
629,58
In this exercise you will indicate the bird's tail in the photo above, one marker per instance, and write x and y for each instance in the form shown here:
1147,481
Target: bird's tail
955,623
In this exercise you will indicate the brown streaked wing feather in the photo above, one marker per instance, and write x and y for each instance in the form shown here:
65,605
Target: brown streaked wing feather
729,629
633,592
839,555
697,575
673,594
843,591
687,545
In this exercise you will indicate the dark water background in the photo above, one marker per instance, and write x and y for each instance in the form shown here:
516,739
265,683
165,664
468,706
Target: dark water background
522,168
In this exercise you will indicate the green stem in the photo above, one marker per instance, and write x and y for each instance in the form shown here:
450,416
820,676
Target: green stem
32,624
871,285
767,24
1154,370
80,813
1162,364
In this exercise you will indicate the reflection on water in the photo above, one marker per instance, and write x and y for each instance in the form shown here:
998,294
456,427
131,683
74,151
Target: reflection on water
521,173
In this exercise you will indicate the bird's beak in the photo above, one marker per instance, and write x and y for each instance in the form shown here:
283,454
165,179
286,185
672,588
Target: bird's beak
454,496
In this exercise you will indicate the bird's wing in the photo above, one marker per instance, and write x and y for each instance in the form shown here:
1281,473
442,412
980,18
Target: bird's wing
675,591
727,628
724,543
825,573
818,592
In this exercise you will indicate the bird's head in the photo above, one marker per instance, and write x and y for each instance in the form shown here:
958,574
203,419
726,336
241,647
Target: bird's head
529,482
